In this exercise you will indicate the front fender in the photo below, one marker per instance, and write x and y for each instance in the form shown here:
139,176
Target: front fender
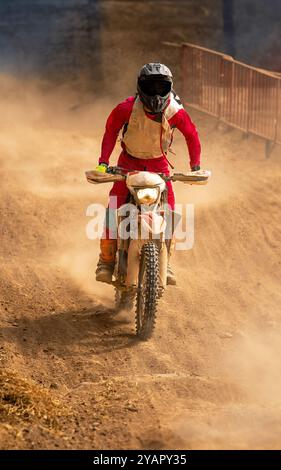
151,225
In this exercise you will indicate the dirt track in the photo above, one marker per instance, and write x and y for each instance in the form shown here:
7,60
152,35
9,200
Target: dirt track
210,377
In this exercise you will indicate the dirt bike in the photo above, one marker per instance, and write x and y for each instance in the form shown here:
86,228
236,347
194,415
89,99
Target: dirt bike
142,255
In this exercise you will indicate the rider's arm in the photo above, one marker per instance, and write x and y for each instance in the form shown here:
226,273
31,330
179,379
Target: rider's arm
116,120
182,121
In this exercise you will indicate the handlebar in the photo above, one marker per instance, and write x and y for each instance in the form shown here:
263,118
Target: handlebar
118,170
116,173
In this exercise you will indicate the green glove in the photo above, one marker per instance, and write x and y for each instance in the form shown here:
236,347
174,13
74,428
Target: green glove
102,167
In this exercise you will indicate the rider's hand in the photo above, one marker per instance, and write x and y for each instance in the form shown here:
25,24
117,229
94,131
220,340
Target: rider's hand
102,167
195,168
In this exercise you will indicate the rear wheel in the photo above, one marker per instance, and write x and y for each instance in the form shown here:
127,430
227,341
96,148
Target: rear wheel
148,290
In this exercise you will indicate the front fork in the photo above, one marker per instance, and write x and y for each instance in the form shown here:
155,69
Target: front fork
134,261
129,249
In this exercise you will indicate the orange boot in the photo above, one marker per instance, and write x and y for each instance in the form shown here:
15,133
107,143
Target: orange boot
106,263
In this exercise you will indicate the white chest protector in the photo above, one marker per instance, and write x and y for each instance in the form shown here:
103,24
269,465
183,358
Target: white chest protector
146,138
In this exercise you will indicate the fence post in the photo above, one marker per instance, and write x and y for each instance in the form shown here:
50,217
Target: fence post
250,101
221,90
224,83
270,144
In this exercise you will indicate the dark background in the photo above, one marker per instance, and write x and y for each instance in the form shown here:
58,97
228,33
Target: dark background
102,43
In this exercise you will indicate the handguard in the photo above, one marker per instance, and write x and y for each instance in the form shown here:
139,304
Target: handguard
96,177
199,177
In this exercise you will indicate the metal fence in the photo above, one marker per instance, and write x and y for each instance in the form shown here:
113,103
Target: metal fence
242,96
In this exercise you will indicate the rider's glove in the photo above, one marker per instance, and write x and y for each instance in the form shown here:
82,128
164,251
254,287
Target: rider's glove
195,168
102,167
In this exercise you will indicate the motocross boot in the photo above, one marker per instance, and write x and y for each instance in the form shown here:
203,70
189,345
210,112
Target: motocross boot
106,263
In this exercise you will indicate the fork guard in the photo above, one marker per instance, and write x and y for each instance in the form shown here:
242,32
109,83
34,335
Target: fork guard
134,261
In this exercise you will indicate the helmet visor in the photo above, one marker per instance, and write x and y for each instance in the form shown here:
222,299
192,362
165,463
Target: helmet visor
155,87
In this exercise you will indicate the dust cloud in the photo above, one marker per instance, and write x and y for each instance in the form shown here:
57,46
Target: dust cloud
49,137
248,416
210,377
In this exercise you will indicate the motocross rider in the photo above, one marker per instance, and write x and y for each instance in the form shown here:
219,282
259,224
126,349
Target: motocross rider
147,120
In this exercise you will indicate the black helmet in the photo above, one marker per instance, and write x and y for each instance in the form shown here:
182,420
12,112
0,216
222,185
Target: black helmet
155,83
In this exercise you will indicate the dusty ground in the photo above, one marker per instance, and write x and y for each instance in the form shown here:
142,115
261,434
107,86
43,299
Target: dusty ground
73,374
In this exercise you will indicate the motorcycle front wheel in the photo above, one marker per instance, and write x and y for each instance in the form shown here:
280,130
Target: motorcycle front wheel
147,291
